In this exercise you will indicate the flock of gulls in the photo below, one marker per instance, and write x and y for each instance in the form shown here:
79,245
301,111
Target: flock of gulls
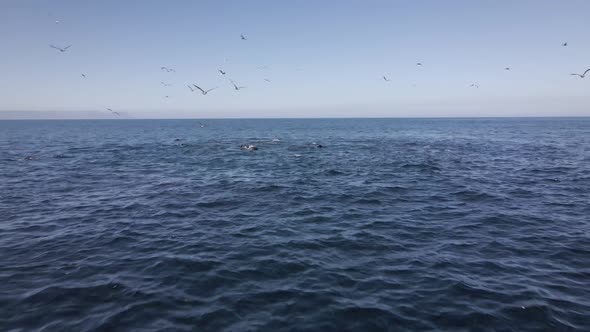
192,87
206,90
474,85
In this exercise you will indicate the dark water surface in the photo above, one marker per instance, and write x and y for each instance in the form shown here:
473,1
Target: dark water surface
431,224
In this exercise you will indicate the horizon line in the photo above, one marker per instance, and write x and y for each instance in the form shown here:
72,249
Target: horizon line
312,118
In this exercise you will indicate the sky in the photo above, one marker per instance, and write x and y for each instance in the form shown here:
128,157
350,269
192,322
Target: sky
323,58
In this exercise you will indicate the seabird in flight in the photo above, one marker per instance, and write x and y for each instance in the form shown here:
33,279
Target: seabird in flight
564,44
221,71
419,64
473,85
582,75
83,75
236,87
111,110
386,79
204,92
59,48
242,36
165,84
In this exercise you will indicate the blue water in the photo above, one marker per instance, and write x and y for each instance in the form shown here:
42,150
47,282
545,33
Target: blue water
429,224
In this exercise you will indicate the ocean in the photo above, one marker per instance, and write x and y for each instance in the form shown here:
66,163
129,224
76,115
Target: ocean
392,225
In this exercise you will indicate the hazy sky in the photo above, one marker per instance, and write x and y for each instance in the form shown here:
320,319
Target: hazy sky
324,58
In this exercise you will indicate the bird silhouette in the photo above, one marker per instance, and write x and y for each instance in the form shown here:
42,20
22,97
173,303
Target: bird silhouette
204,92
582,75
236,87
60,49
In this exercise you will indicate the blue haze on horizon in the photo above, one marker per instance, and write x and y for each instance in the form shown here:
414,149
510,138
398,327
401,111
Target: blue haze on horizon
324,58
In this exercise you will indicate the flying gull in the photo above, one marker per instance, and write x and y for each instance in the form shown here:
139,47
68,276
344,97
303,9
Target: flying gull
474,85
386,79
564,44
168,70
582,75
236,87
266,79
507,68
83,75
242,36
204,92
111,110
59,48
165,84
221,71
419,64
